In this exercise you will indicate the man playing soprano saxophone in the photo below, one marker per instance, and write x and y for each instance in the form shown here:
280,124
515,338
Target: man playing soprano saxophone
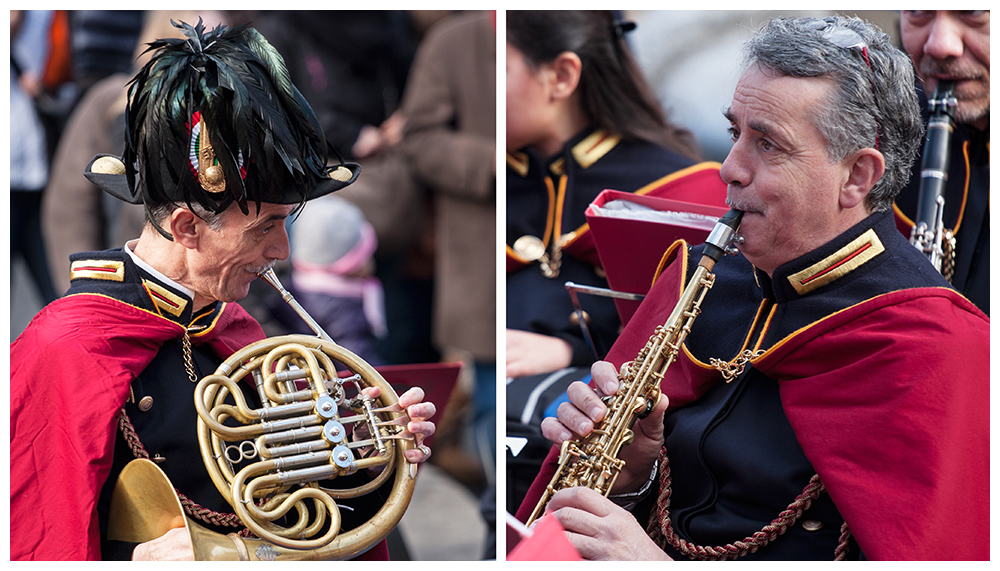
139,321
856,420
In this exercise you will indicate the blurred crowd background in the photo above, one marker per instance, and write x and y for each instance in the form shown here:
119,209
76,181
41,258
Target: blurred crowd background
399,268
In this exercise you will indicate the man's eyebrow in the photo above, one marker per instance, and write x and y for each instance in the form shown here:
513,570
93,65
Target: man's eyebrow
273,217
762,128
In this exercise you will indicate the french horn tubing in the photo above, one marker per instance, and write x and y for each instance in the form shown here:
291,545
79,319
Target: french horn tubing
273,463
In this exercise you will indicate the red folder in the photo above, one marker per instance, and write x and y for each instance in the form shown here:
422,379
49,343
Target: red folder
631,250
547,542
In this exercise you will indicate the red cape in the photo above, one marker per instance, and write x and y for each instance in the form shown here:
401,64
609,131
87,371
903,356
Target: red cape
889,400
59,427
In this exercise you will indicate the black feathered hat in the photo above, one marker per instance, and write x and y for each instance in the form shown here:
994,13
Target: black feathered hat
214,119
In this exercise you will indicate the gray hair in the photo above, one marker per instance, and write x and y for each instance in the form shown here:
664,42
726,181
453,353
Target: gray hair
868,106
158,213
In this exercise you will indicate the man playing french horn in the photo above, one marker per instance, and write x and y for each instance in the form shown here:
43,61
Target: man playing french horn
832,398
221,149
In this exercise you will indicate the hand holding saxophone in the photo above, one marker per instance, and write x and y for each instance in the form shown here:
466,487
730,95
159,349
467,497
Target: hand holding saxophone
577,417
597,527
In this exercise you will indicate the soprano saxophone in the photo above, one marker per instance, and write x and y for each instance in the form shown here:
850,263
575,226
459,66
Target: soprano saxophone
592,461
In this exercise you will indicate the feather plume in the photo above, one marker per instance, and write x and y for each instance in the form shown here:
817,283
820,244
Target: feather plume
259,123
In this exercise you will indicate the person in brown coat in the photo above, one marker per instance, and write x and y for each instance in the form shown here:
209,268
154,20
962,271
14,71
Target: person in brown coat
450,143
449,139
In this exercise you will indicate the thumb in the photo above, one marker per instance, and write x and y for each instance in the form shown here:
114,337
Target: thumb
651,427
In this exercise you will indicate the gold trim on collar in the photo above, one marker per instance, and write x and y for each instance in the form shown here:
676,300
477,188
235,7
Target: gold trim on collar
594,146
518,161
558,166
164,299
98,270
839,264
195,330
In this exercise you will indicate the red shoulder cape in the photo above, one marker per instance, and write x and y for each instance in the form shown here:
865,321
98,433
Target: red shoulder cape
889,400
57,421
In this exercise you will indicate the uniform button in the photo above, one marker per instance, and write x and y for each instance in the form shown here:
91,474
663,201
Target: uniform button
574,319
812,525
145,403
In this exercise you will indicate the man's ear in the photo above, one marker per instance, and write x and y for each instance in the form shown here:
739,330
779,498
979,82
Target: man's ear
565,75
866,168
185,227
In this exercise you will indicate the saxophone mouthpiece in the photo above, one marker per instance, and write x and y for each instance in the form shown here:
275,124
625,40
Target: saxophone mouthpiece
732,219
725,229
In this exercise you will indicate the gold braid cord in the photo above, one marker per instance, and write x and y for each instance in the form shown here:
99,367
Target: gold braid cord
193,509
662,532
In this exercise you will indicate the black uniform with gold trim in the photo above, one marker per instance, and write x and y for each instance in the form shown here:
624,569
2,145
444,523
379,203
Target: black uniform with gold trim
546,199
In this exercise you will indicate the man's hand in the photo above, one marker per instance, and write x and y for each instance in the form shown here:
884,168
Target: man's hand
532,353
575,419
601,530
412,403
175,545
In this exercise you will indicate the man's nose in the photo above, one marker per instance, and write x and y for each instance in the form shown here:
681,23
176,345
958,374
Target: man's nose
734,169
945,37
279,248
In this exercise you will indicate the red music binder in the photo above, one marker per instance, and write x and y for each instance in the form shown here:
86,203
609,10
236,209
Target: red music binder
546,541
631,248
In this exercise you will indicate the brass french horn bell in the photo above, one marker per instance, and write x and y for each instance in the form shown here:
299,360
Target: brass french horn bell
273,464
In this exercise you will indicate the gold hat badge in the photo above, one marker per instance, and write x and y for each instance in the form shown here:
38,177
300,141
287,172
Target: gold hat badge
210,174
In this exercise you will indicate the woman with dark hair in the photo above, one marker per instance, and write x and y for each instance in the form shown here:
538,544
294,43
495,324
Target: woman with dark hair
581,118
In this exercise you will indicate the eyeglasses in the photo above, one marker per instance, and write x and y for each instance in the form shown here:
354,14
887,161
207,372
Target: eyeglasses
848,39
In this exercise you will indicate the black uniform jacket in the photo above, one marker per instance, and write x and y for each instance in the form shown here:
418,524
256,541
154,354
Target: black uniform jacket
735,460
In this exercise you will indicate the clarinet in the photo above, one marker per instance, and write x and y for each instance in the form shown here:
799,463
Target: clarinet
929,234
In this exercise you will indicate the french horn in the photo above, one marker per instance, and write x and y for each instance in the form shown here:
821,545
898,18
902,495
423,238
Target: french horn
273,463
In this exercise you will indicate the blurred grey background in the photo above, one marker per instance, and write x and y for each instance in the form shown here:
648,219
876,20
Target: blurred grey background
692,60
